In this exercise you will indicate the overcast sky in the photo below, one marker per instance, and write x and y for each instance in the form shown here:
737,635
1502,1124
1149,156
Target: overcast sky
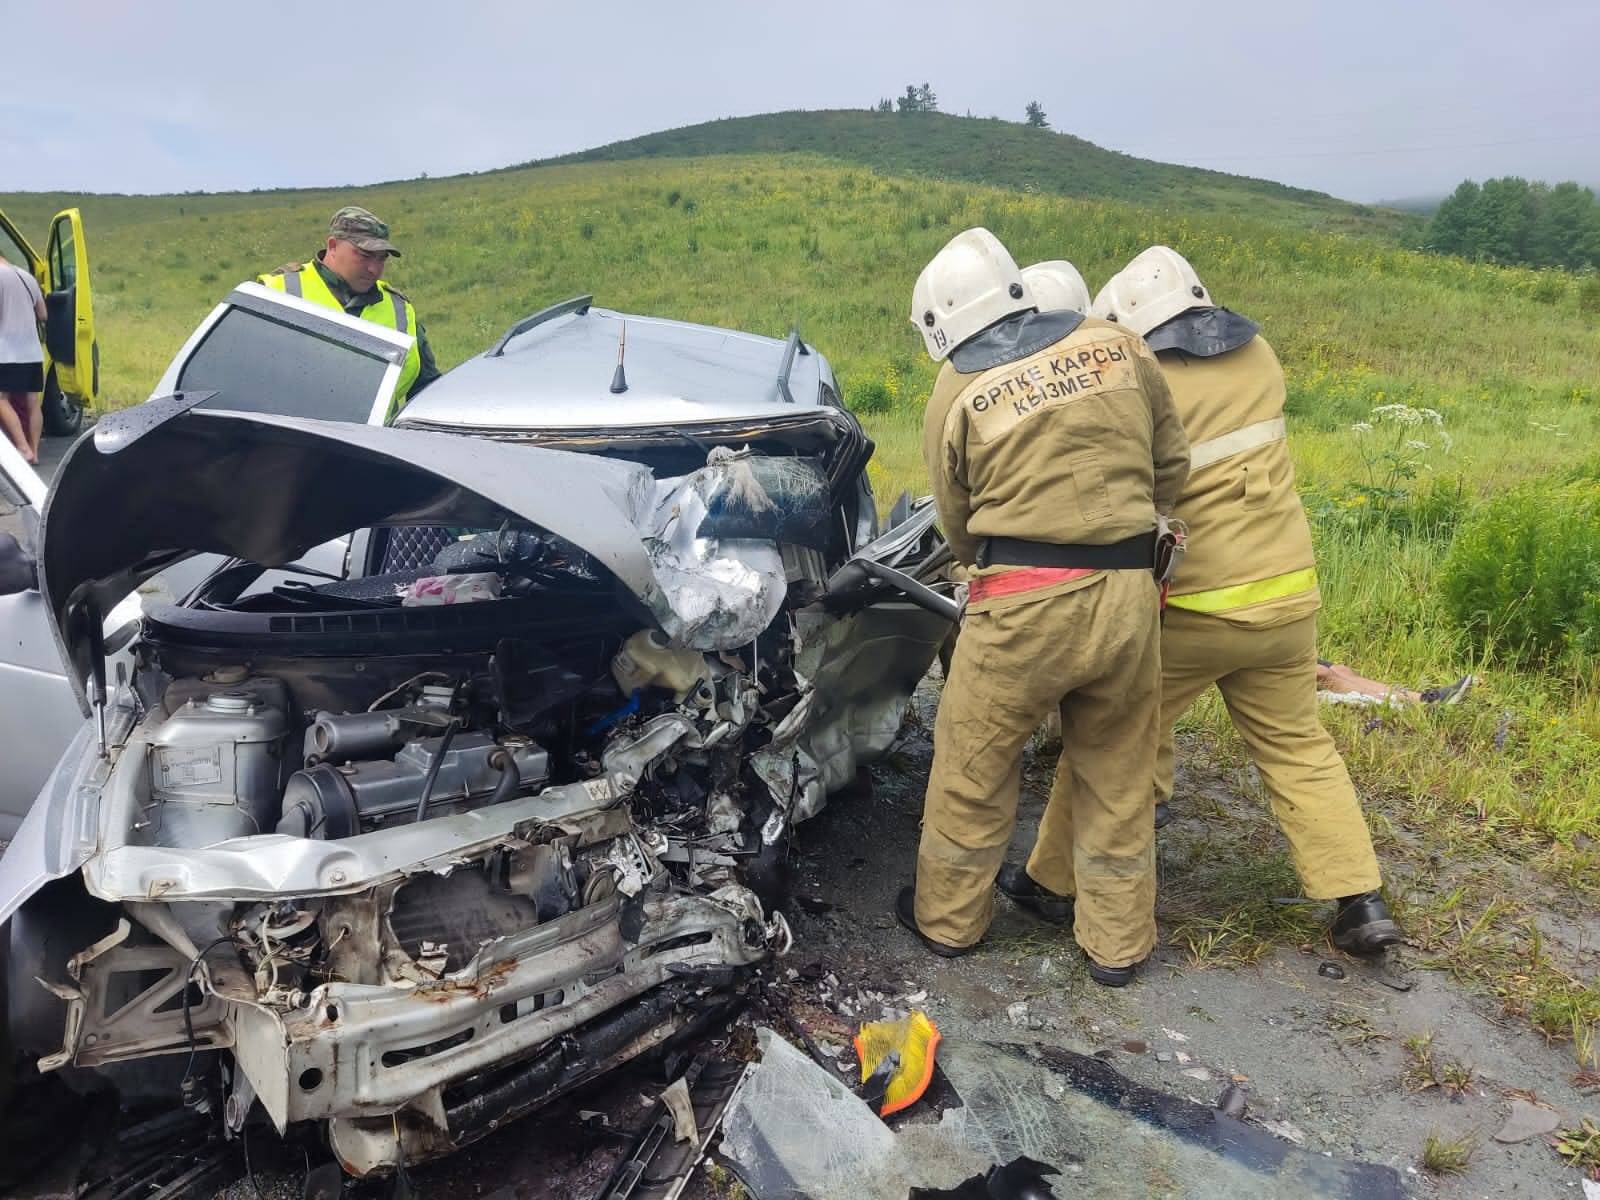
1365,100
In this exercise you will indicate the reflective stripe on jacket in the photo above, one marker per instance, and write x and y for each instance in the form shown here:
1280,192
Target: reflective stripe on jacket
393,311
1249,541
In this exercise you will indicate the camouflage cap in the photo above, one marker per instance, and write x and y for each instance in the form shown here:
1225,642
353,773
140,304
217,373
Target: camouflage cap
363,230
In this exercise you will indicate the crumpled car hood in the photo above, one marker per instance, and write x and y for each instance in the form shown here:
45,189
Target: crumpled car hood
165,481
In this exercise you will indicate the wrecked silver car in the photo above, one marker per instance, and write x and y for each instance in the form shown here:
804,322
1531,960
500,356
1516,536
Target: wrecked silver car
414,849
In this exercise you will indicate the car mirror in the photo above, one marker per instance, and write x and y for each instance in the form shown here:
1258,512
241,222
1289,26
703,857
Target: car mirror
18,571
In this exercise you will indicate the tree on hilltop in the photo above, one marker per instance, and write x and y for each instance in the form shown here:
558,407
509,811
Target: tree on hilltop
918,99
885,106
1036,117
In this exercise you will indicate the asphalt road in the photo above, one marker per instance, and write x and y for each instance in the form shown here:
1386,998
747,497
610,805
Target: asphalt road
51,450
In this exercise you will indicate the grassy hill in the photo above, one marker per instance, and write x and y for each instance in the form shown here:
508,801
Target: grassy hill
1002,153
1507,357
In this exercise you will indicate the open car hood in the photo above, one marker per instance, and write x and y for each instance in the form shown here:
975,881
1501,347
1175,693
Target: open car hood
164,481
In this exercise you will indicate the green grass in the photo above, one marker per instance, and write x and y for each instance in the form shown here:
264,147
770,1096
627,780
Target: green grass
763,241
1447,1154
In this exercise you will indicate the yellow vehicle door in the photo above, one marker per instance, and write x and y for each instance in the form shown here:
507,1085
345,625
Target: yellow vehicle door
69,307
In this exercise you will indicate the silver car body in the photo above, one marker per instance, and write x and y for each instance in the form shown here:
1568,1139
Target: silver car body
412,981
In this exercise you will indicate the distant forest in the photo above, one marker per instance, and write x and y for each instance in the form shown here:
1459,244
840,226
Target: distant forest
1513,221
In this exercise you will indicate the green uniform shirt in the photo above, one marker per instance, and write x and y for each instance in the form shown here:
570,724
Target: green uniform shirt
353,302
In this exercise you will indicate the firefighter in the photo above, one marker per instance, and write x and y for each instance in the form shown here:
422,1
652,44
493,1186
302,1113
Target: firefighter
1051,442
1056,285
1242,610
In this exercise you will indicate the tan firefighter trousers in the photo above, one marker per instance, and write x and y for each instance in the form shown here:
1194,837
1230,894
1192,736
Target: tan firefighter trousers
1094,656
1268,680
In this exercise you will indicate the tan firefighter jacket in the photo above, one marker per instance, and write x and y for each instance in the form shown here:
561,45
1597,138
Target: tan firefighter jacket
1052,428
1249,551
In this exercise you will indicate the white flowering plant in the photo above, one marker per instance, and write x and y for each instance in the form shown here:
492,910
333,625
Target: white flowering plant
1400,446
1396,443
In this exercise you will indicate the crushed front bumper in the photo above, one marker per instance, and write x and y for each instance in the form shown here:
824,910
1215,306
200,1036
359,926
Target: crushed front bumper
417,1071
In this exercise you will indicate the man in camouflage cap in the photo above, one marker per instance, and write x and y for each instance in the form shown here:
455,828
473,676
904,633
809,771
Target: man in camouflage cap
347,274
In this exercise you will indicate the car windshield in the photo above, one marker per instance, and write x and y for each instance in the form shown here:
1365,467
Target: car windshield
257,364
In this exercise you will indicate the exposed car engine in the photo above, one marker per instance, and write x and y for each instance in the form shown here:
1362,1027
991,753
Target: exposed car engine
413,850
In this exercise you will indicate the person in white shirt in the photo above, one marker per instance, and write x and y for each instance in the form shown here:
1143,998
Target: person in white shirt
21,359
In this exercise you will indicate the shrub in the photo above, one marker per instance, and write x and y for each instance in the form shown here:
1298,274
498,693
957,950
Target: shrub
873,396
673,197
1550,287
1525,571
586,231
1589,294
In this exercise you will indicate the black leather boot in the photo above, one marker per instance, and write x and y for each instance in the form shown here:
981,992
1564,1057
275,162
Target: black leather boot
1363,926
1015,882
905,908
1163,814
1112,976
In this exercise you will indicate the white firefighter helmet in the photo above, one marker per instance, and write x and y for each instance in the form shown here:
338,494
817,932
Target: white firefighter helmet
1154,287
1056,285
965,288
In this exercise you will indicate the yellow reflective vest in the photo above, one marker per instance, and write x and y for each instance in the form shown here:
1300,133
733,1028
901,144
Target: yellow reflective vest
1249,554
392,311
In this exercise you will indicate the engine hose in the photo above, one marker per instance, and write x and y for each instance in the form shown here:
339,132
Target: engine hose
433,768
510,778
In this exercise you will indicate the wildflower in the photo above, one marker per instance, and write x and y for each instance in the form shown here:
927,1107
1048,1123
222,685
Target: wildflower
1416,445
1361,427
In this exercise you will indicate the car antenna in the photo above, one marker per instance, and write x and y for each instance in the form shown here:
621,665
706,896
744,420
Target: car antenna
619,381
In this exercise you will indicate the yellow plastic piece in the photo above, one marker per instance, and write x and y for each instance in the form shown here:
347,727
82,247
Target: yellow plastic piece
916,1039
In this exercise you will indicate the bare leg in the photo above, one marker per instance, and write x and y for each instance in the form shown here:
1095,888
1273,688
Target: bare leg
1336,677
13,428
35,421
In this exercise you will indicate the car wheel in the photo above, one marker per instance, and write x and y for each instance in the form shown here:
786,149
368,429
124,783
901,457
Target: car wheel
63,415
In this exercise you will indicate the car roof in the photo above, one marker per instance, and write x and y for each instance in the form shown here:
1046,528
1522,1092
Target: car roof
559,373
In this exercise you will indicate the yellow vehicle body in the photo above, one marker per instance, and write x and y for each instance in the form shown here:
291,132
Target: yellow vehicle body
71,351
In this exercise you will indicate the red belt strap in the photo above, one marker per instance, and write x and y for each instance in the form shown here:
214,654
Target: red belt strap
1023,579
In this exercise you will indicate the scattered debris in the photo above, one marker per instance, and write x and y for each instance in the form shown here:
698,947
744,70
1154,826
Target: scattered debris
1330,970
1527,1121
1286,1130
659,1164
1022,1178
1135,1046
1174,1036
1302,1172
1502,732
1164,1056
1231,1101
1017,1014
676,1098
795,1130
1200,1073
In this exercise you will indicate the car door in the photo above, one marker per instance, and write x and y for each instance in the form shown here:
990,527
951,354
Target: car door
265,351
38,714
69,310
260,351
